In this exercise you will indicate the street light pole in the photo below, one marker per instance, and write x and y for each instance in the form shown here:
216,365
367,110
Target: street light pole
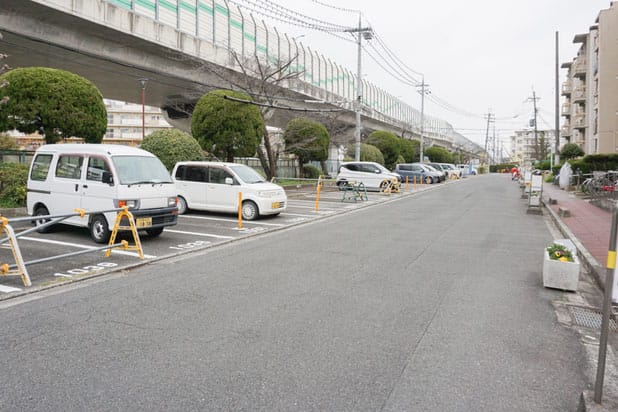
422,86
143,82
365,32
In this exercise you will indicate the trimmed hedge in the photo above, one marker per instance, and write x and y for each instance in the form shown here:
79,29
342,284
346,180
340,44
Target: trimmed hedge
13,177
311,172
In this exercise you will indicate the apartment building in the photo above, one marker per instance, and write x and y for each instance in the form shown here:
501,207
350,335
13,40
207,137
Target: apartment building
525,148
124,122
590,105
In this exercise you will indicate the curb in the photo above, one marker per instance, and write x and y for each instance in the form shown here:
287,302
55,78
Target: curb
586,401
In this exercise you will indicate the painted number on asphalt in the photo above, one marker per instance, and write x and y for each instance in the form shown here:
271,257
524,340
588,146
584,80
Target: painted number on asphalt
86,269
190,245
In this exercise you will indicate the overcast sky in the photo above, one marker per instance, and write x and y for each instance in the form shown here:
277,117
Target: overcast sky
475,54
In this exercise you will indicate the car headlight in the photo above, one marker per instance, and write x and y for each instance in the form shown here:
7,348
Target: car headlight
130,203
172,201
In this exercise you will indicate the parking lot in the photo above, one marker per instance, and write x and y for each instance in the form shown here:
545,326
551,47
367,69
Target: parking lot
194,231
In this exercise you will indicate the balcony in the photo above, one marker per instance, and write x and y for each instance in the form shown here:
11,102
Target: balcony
566,109
579,121
579,95
580,68
566,129
566,88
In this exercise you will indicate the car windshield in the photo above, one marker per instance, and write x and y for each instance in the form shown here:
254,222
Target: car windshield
382,168
247,174
140,169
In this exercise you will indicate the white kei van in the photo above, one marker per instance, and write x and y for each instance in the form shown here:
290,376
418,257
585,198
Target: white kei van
214,187
99,178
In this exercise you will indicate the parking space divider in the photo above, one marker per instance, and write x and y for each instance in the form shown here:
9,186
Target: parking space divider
19,267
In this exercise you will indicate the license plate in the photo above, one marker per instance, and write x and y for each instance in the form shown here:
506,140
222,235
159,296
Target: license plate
275,205
143,222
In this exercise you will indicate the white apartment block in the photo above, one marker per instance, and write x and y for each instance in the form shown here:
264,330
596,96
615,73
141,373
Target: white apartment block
525,148
124,121
590,107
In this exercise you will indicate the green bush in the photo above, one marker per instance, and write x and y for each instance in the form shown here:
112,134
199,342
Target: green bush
497,168
172,146
368,153
311,172
438,154
13,178
571,151
580,166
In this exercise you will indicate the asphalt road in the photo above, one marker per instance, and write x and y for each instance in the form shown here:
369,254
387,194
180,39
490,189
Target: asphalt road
432,302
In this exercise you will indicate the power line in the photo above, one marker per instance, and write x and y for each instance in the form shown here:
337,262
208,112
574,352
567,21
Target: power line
337,8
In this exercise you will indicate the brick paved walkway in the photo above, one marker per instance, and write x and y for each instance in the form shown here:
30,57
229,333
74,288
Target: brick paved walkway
589,223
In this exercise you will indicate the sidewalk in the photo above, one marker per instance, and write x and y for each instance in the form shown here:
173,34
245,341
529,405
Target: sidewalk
588,226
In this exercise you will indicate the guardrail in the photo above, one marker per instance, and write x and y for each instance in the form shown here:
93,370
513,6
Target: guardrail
19,267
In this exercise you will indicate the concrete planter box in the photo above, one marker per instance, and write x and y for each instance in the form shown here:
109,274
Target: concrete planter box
560,275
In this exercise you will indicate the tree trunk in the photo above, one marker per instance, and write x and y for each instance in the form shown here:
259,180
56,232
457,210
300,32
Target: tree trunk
264,163
324,168
270,156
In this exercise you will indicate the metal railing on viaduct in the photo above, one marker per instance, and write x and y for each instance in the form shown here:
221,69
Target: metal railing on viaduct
114,42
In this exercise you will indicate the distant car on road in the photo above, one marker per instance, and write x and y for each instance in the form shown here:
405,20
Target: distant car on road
372,175
439,168
451,170
417,172
467,170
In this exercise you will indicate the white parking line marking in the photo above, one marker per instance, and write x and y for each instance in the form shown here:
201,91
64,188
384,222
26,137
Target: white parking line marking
8,289
232,220
312,207
182,232
57,242
296,214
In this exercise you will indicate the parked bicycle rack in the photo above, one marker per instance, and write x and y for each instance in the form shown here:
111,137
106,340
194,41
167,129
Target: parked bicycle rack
19,267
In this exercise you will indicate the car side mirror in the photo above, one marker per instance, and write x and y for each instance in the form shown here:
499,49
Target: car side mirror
378,171
229,181
108,178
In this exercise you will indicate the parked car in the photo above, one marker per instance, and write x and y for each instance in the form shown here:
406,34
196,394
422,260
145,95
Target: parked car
417,171
438,167
467,170
214,187
451,170
373,175
100,178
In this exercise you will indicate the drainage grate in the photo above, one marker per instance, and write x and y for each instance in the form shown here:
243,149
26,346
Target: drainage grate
591,318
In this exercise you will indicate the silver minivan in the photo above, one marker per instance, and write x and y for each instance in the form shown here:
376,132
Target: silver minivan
372,175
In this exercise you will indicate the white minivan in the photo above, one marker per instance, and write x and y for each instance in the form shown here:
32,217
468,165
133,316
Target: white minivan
99,178
214,187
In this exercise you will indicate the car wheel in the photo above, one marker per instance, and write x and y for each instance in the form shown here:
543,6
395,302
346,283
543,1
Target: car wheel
341,184
249,210
154,232
99,232
182,205
383,185
42,211
428,180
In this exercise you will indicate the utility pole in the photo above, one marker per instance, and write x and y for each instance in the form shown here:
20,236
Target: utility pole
537,149
487,136
365,32
422,86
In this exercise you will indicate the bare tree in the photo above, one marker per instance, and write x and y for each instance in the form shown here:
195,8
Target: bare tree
263,82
